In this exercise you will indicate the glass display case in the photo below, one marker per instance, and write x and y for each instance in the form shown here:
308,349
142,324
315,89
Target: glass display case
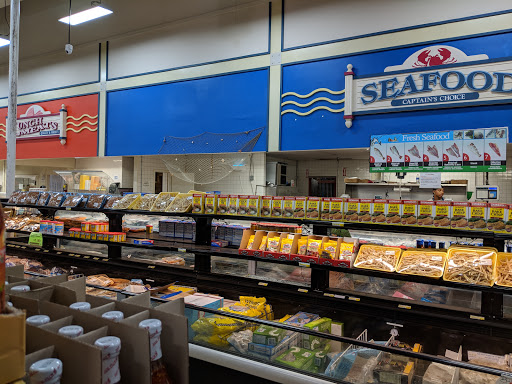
85,180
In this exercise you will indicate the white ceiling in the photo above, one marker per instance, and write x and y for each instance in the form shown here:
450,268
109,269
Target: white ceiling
41,32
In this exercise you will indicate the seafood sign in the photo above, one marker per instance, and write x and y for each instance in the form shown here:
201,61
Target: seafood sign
470,150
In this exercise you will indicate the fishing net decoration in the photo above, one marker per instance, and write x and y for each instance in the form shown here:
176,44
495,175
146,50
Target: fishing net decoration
208,157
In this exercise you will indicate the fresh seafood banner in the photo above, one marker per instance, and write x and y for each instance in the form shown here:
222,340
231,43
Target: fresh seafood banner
471,150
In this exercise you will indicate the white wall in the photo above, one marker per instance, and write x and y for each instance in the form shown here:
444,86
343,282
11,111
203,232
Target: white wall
238,31
310,22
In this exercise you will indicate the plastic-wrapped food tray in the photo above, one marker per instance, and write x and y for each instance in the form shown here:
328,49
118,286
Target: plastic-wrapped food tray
163,200
471,265
43,198
146,202
111,202
127,201
182,203
378,257
14,197
96,201
504,269
56,199
32,197
422,263
22,198
72,201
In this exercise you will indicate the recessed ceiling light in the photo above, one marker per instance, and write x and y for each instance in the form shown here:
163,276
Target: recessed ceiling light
4,42
87,15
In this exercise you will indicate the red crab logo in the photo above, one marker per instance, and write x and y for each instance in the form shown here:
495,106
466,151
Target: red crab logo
431,58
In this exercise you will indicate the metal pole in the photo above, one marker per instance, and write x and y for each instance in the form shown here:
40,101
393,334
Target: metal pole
12,111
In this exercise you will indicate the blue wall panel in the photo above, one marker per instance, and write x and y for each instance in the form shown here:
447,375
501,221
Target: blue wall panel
326,130
138,119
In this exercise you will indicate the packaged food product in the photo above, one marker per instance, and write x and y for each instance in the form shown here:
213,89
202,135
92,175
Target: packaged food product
162,201
422,263
223,204
14,197
297,358
198,202
128,201
210,204
299,211
286,245
146,202
508,224
346,251
111,202
498,215
336,210
329,249
43,198
394,211
254,205
504,269
267,335
96,201
409,212
477,216
32,197
426,213
352,211
266,206
314,247
379,211
243,205
313,210
471,265
443,214
217,340
302,246
182,203
288,206
377,257
56,199
365,210
320,325
277,206
301,318
217,325
250,242
72,201
460,215
22,198
263,244
273,244
233,205
325,208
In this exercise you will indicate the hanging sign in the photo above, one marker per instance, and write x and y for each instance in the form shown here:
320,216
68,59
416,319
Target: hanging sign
430,180
471,150
37,123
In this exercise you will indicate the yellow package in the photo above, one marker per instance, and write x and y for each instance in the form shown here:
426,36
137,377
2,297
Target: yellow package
243,310
217,340
263,244
250,242
286,245
217,325
273,244
346,251
283,319
303,246
314,247
259,304
329,249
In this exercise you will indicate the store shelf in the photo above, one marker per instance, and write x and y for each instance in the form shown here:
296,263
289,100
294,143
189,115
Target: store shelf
402,185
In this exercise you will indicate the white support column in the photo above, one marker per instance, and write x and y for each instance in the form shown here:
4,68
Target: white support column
63,124
102,108
12,111
274,109
349,91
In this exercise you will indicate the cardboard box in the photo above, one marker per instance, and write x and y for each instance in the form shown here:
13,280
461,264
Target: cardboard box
313,259
443,214
200,300
497,217
365,211
344,257
210,204
288,207
426,213
336,212
352,210
325,208
282,254
301,318
297,358
223,204
268,335
233,205
258,235
266,206
409,212
254,205
460,215
394,212
314,342
277,206
198,203
270,352
12,336
508,224
379,211
478,216
243,205
299,211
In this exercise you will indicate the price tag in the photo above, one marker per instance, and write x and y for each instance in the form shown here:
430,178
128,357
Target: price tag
354,298
85,257
182,250
302,290
46,251
328,294
105,259
338,224
68,208
340,296
474,317
151,266
59,253
76,255
37,249
403,306
305,265
263,284
95,258
23,247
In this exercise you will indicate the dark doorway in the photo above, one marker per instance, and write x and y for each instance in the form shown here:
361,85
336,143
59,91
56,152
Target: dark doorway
322,186
159,182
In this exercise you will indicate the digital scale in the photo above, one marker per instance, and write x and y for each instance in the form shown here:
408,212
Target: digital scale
487,192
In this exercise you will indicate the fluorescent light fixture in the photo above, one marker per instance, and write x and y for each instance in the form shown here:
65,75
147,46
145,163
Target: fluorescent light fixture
87,15
4,42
